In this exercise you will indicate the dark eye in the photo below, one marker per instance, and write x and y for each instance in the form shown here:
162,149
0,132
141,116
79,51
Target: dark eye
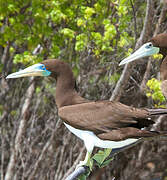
149,46
43,67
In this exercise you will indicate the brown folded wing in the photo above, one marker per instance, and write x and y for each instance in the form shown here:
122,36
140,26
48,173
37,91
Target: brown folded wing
106,117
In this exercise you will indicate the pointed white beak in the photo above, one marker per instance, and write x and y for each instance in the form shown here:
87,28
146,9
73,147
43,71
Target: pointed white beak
146,50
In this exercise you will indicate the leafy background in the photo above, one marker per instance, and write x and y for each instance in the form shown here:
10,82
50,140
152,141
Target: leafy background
93,36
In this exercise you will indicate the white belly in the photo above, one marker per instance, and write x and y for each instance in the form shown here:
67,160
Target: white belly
95,141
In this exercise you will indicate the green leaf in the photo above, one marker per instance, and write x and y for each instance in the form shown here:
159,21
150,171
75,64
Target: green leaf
79,46
114,78
82,177
154,91
101,156
68,33
26,58
37,90
89,12
81,22
105,163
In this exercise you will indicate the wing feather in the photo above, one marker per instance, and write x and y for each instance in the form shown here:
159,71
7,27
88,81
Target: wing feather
101,116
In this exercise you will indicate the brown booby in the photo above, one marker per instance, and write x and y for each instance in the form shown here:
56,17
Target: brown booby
104,124
157,44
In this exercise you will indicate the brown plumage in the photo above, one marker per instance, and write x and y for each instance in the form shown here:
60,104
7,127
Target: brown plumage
161,42
107,119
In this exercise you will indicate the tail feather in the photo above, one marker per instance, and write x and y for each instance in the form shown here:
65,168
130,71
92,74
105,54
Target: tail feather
160,133
153,112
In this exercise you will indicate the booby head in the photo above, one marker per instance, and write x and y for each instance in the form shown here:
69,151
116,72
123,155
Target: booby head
34,70
147,49
157,44
49,67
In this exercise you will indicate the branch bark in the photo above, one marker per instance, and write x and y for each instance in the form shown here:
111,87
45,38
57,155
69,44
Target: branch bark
78,172
134,17
161,19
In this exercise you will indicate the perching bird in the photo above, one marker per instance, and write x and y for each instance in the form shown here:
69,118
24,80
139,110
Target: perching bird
104,124
157,44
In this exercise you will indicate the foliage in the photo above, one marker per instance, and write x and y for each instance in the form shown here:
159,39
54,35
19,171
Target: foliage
101,157
62,23
82,177
158,56
154,91
26,58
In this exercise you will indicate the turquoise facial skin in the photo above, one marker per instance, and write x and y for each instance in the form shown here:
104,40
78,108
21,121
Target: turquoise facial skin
45,72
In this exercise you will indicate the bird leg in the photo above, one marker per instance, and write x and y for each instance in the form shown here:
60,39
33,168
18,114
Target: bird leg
88,141
87,161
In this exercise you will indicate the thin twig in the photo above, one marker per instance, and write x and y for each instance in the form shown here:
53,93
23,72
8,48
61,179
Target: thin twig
21,130
35,167
134,17
71,170
2,156
161,19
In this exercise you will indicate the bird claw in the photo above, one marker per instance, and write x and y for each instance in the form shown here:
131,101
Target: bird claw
88,164
81,163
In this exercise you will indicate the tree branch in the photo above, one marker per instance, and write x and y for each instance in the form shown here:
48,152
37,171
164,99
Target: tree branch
78,172
161,19
134,17
70,173
145,78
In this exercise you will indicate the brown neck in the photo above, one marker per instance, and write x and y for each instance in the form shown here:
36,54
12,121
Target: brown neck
65,91
163,69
